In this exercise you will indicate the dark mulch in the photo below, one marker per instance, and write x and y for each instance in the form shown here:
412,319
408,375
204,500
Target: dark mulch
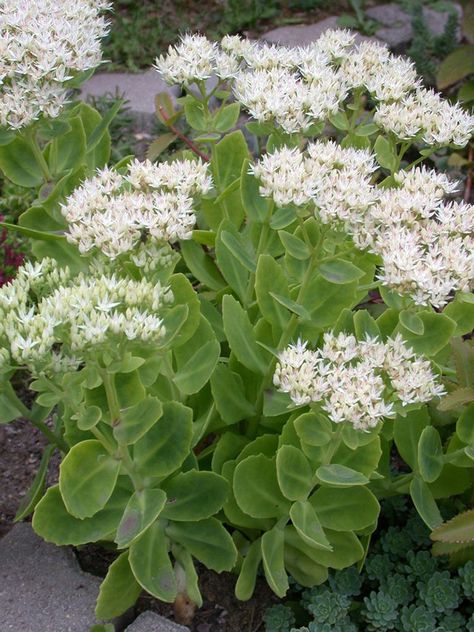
21,447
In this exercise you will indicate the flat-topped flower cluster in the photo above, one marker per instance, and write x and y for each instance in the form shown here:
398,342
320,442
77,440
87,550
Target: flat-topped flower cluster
43,44
356,381
298,87
113,213
50,319
426,245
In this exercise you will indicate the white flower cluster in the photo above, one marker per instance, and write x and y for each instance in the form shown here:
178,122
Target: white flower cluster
356,381
50,320
426,244
114,213
298,87
43,43
427,115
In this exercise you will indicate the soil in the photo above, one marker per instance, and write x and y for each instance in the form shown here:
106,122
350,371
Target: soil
21,447
221,611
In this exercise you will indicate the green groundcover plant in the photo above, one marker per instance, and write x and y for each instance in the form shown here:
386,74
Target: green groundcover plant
401,587
229,348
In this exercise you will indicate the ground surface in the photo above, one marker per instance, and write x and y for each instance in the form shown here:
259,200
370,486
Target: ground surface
21,447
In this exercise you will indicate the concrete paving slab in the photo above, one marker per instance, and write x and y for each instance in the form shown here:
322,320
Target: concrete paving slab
303,34
152,622
138,89
42,587
396,28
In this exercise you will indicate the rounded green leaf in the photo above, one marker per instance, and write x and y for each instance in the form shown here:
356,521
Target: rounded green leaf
340,476
245,585
350,509
313,429
364,459
437,331
142,509
465,425
241,337
303,568
346,548
198,368
185,560
151,564
308,526
425,503
340,271
407,433
165,446
87,478
194,495
227,117
256,488
18,163
229,396
412,322
53,523
207,540
270,278
89,417
294,473
233,512
430,454
273,546
137,420
119,590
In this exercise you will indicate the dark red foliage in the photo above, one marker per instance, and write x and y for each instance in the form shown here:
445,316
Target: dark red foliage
11,256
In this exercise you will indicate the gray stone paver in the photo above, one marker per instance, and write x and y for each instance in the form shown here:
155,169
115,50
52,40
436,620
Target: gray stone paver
303,34
138,89
42,588
396,28
151,622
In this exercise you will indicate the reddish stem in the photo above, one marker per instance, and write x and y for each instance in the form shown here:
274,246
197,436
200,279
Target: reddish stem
184,138
468,188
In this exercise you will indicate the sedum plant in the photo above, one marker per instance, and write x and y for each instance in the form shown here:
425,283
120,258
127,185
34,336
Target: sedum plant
413,592
232,342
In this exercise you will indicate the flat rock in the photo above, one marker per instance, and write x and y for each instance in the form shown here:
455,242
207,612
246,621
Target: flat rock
42,588
138,89
152,622
303,34
396,30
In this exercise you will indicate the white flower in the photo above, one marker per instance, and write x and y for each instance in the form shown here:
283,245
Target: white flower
424,112
354,381
334,43
73,315
43,44
191,60
111,212
284,176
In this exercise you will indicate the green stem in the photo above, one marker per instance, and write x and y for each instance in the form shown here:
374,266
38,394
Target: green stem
114,408
357,103
283,341
416,162
260,248
50,435
30,137
403,149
